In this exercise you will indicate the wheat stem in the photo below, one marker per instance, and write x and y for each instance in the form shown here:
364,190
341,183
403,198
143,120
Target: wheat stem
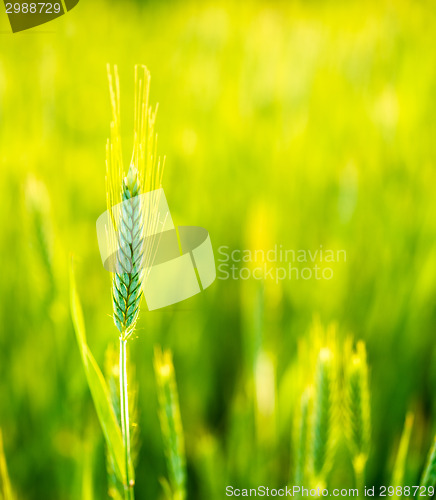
125,425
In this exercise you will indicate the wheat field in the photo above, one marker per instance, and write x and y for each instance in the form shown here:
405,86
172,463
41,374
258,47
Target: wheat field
302,125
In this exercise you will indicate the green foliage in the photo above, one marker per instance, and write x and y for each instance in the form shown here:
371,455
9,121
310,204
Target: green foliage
307,123
429,475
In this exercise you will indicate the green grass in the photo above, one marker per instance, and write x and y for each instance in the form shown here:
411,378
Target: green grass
5,482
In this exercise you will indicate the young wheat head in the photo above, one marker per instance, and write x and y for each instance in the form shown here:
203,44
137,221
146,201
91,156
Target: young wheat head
171,422
357,405
137,216
323,437
302,436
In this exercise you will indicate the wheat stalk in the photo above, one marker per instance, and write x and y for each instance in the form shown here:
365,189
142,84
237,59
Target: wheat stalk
112,375
137,218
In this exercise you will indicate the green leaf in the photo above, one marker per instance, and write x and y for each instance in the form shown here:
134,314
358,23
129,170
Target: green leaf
400,461
5,483
168,494
87,466
429,475
97,386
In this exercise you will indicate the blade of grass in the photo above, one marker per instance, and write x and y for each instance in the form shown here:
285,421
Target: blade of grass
6,489
400,461
429,475
87,483
302,437
97,386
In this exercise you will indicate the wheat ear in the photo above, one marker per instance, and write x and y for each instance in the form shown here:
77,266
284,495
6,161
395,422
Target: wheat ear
357,409
127,281
323,420
403,448
171,423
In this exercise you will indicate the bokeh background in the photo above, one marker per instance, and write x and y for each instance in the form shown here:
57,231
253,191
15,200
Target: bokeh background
296,123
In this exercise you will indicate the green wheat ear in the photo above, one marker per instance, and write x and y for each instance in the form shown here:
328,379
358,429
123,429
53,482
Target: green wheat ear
324,416
138,215
302,436
127,281
171,424
429,475
357,408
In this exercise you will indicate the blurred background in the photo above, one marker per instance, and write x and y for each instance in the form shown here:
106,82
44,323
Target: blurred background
296,123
